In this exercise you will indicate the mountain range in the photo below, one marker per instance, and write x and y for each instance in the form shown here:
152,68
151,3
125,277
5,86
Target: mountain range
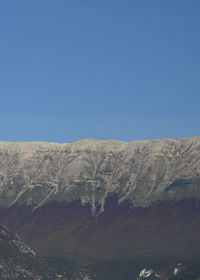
105,205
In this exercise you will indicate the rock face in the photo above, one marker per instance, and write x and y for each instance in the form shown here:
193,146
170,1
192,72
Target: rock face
141,171
18,261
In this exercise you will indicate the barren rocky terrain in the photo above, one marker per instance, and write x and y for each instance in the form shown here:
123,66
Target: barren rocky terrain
141,171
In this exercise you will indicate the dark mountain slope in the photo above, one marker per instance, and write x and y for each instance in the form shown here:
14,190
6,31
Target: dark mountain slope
164,229
18,261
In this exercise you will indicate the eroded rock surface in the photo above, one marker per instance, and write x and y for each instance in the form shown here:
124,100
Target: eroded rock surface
141,171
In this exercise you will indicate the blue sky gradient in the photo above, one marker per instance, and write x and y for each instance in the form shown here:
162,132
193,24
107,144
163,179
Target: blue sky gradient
99,69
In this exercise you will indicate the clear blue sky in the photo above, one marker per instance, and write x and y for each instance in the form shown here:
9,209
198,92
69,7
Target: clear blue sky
106,69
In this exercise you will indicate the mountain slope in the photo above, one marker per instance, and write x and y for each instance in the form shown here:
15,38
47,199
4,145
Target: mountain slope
141,171
18,261
105,204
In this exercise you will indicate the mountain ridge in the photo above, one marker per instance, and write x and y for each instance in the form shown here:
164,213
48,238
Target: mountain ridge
141,171
89,140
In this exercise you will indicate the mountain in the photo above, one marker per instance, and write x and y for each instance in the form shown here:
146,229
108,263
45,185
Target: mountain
105,204
18,261
141,171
